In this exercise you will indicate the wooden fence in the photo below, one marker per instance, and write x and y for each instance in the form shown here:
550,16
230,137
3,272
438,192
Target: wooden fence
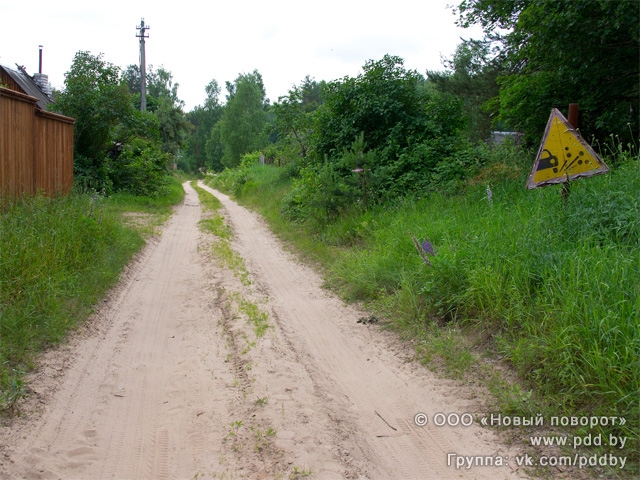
36,147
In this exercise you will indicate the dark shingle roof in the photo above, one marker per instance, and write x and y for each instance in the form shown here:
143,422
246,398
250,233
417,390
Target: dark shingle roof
28,86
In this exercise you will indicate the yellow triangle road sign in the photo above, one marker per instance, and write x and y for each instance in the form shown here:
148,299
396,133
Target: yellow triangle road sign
563,155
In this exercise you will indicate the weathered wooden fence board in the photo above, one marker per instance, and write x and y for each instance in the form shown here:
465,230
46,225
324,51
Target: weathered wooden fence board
36,147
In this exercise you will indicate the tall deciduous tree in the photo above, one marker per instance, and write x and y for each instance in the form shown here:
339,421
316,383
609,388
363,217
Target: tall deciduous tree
385,102
391,121
203,118
163,102
116,145
242,127
214,149
472,75
582,51
293,114
131,76
94,95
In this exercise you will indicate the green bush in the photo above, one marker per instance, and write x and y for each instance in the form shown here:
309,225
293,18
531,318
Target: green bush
141,169
248,159
396,125
319,195
88,177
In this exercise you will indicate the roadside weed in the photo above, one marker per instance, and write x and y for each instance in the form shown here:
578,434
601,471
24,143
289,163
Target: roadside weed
235,426
300,472
258,318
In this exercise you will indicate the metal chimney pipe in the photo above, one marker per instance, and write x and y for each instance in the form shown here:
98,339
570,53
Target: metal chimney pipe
40,68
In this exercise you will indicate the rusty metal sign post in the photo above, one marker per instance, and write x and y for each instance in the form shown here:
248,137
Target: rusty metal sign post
362,172
564,155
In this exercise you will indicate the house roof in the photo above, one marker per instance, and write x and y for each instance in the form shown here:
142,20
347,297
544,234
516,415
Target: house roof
26,85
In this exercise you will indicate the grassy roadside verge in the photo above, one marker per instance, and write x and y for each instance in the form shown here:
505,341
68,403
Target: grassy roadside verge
59,256
550,289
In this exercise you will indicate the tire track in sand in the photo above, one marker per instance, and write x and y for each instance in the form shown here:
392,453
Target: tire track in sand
365,384
138,396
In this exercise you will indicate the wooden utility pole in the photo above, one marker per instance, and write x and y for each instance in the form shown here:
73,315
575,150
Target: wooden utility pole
143,68
573,121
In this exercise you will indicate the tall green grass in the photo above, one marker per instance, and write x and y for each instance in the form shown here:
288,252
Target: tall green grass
58,257
552,286
559,296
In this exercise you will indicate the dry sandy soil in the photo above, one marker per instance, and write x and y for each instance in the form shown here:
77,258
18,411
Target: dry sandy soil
170,379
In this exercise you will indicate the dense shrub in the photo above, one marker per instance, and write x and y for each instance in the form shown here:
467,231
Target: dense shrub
320,194
141,170
388,123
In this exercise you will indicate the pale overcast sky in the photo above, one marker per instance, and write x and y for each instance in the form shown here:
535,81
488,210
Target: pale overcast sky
199,41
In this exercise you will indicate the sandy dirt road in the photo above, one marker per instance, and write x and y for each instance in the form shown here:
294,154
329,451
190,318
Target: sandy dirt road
173,379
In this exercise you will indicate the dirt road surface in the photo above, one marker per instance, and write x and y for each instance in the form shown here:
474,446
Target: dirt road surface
192,370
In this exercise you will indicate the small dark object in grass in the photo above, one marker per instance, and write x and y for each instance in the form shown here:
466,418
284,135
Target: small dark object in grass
368,320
